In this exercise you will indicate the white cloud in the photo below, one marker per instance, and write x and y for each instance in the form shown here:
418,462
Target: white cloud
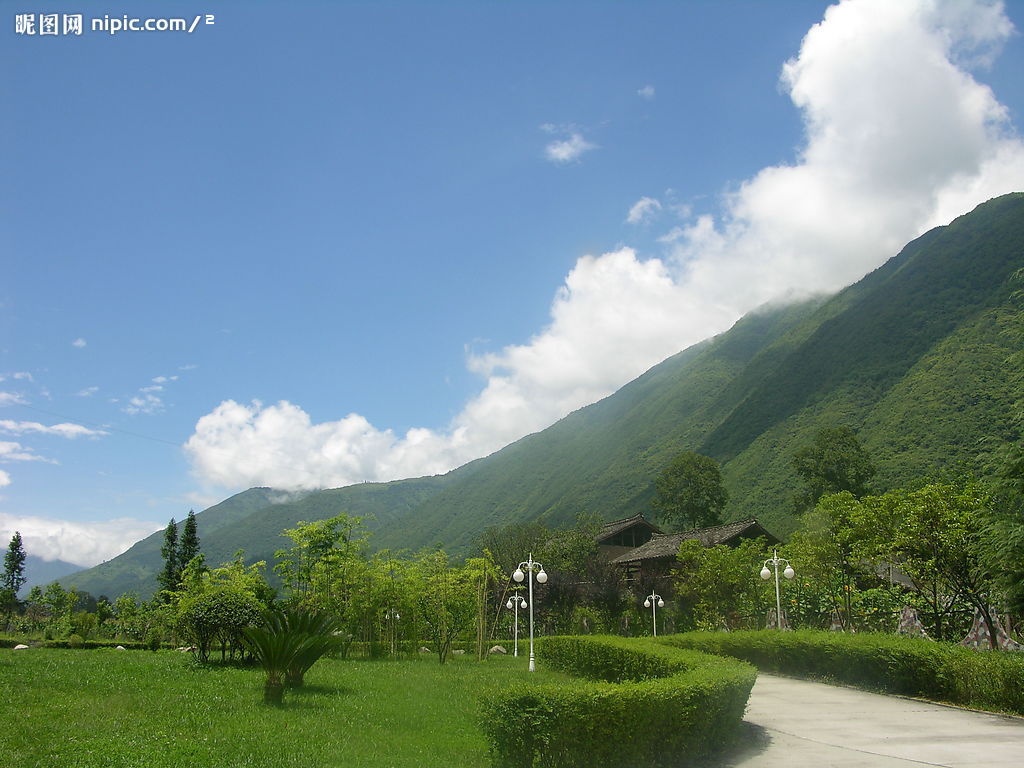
164,379
84,544
569,149
11,451
79,342
647,92
5,479
87,392
899,138
643,210
61,430
145,402
12,398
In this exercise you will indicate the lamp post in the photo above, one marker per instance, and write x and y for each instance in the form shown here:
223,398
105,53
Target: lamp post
515,603
391,616
541,577
766,574
654,602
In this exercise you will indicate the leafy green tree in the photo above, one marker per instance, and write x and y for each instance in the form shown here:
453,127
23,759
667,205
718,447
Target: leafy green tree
689,491
171,573
934,535
219,616
13,576
833,463
721,584
445,600
188,547
824,545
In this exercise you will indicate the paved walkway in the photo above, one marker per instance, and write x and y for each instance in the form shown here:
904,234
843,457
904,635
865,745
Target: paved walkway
799,724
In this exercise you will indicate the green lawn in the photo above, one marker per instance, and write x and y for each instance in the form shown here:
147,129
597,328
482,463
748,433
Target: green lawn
78,708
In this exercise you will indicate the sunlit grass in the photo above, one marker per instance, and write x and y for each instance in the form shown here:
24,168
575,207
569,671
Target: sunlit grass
135,708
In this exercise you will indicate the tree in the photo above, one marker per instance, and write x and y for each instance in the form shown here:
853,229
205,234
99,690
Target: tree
13,576
721,584
934,535
833,463
188,547
824,547
689,491
445,600
171,573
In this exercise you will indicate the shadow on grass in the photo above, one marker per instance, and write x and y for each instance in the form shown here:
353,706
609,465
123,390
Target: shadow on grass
319,690
751,741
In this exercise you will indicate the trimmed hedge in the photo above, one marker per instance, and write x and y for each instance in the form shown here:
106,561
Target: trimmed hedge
642,704
890,663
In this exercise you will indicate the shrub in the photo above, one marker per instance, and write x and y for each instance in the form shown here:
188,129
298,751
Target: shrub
890,663
76,641
641,704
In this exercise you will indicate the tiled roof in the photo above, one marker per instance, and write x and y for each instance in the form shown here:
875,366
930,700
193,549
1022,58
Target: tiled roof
667,544
616,526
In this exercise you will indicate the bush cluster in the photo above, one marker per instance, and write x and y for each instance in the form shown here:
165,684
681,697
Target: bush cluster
638,704
890,663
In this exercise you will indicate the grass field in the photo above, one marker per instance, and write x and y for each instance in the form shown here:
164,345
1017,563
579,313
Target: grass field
115,709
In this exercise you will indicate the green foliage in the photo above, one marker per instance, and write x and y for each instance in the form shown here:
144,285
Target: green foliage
689,491
188,547
663,708
836,462
934,535
721,584
890,663
13,576
218,616
317,633
171,572
76,641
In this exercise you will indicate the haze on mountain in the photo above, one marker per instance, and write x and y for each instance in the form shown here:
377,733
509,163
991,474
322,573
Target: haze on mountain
915,357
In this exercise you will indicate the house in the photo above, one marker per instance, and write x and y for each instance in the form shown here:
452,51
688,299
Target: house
655,558
621,536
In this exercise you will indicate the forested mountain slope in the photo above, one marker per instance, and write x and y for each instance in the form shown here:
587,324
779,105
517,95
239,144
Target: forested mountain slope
913,357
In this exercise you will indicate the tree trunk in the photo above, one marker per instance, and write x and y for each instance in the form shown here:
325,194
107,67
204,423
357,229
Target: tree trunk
273,693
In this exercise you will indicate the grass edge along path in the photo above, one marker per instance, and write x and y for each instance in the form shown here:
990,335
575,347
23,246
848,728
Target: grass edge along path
641,704
943,672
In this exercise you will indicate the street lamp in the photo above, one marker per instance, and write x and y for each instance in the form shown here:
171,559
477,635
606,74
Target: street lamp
654,602
515,603
541,577
391,616
766,574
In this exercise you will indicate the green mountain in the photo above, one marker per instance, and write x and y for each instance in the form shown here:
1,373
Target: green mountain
914,357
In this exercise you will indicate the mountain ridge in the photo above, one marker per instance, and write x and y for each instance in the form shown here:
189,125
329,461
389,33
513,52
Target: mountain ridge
911,356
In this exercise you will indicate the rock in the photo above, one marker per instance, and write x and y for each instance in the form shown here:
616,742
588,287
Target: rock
498,649
458,653
425,650
120,648
20,647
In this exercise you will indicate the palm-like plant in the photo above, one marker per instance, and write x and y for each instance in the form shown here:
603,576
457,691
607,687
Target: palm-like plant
275,651
287,645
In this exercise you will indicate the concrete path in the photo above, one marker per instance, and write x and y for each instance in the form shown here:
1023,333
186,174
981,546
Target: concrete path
799,724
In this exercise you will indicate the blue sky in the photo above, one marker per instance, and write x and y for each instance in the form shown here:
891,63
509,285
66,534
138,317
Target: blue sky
318,243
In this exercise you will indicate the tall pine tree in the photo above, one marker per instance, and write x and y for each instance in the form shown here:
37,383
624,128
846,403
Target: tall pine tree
13,576
188,547
168,577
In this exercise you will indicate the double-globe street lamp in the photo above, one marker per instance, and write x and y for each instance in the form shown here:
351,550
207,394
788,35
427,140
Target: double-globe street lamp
391,616
530,566
514,604
654,602
766,574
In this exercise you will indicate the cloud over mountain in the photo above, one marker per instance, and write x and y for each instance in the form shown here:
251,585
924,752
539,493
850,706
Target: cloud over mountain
899,137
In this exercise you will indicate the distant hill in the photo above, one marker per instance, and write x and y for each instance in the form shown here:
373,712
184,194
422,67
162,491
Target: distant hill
913,357
39,572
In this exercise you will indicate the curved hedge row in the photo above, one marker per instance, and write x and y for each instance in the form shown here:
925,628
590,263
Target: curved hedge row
641,704
890,663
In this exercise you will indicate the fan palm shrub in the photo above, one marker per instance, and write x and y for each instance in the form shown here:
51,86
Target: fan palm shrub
287,644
